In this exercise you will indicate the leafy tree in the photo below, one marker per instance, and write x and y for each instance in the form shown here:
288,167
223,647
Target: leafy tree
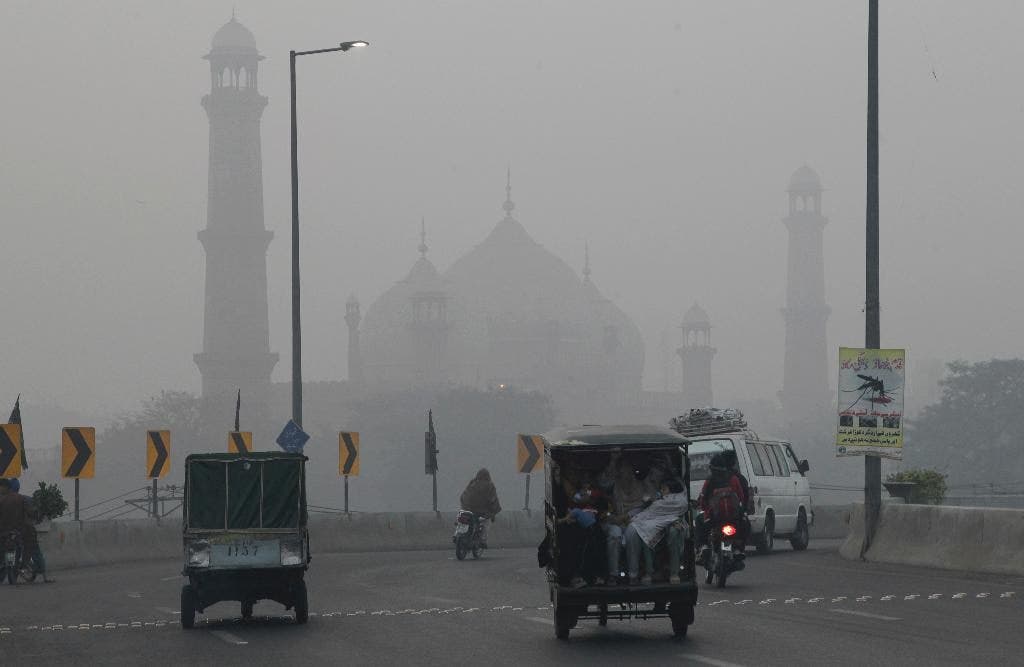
973,433
930,486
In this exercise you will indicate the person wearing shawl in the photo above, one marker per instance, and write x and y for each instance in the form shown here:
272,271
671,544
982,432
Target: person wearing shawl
647,528
481,498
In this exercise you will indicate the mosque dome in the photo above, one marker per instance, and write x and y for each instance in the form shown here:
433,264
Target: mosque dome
696,316
804,179
233,36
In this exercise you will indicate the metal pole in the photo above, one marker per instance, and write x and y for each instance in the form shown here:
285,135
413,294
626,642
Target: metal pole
296,323
156,513
433,475
76,499
872,323
526,506
346,494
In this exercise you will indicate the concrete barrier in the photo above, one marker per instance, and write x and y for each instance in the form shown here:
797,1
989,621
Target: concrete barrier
977,539
830,522
86,543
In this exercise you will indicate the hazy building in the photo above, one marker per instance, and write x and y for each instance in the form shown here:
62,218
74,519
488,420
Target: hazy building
508,313
806,396
696,355
236,341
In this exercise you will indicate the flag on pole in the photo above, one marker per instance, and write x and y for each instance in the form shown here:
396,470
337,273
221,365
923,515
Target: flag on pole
15,418
238,407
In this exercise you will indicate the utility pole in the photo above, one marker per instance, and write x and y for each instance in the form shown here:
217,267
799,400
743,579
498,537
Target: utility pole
872,324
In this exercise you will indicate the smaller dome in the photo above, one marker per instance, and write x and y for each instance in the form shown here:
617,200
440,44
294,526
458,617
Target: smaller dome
805,179
696,316
233,35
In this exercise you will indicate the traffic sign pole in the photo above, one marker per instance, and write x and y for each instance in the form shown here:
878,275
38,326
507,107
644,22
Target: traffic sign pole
76,499
526,506
156,514
346,494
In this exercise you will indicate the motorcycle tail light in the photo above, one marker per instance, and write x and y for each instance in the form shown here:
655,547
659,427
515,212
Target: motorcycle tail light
463,518
728,530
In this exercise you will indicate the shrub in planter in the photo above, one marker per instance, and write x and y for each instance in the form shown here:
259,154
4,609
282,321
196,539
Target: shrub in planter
930,486
49,501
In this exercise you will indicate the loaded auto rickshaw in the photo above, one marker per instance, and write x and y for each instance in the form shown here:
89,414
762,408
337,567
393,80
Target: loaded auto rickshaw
615,464
245,535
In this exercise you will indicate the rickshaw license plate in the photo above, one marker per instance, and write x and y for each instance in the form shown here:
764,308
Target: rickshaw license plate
246,552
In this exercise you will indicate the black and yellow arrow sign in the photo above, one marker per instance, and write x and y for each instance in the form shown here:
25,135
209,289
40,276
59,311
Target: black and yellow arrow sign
158,453
348,454
10,450
78,452
240,442
529,450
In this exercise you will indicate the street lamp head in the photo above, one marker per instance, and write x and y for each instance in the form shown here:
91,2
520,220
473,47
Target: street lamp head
345,46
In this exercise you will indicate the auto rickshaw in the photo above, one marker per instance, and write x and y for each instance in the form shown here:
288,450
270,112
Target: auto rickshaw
245,535
591,455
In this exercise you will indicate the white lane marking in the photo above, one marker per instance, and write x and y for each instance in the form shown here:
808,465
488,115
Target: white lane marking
1008,594
704,660
177,576
227,637
981,595
864,614
168,610
959,596
535,619
135,595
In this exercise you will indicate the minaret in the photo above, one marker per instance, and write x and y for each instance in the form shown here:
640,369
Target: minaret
805,390
355,360
429,325
696,355
236,340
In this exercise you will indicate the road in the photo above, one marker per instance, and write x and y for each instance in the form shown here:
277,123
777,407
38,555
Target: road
413,608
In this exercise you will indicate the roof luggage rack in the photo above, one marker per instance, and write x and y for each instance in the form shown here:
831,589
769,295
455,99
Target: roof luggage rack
709,421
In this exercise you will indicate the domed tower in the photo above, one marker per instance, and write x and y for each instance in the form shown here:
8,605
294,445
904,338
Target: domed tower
236,338
696,355
805,391
429,322
355,360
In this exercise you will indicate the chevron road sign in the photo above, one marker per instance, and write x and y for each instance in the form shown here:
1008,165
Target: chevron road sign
348,454
240,442
10,450
78,452
529,451
158,453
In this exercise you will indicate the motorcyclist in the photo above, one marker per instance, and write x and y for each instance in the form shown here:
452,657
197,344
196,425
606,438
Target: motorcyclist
29,537
481,498
721,499
13,510
733,464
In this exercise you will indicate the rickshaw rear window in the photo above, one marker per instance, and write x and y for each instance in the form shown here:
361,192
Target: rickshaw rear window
241,494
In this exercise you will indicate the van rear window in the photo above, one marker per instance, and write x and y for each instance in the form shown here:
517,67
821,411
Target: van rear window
700,453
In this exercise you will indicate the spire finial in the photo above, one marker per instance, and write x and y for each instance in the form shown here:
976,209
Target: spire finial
508,205
586,262
232,12
423,238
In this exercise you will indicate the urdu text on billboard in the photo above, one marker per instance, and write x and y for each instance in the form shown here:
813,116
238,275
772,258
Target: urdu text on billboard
870,403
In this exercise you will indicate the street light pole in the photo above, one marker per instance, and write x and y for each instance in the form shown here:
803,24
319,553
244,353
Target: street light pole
872,319
296,310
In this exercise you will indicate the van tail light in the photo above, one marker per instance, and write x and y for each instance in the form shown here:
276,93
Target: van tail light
728,530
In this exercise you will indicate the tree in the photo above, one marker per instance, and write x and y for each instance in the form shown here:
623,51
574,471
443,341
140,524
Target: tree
930,485
973,433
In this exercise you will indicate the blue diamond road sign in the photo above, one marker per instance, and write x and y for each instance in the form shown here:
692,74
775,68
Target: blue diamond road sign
292,438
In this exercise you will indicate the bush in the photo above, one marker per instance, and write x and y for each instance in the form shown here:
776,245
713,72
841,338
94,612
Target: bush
931,485
49,501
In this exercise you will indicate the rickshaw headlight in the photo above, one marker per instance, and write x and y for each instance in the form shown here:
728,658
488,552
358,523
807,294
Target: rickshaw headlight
291,552
199,553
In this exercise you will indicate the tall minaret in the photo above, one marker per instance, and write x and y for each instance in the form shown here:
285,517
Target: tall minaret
696,355
236,340
805,390
355,359
429,326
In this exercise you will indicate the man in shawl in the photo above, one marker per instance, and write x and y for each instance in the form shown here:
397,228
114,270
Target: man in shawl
481,498
647,528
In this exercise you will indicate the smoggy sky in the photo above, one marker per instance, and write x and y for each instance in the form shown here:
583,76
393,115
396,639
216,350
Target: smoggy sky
662,133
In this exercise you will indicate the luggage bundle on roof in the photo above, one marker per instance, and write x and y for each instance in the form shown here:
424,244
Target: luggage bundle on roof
708,421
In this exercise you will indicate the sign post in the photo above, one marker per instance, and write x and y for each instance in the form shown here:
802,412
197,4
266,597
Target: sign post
158,462
78,457
528,460
348,458
430,451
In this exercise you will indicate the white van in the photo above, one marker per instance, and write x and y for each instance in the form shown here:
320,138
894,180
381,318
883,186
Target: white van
779,486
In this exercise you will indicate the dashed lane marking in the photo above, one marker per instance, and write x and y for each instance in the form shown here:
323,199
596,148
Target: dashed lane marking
168,610
228,637
864,614
537,619
704,660
177,576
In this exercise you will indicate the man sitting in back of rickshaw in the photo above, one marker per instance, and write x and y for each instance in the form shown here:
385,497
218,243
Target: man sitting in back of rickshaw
648,528
633,488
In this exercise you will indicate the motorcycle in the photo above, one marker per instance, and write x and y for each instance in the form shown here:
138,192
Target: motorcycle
726,555
13,564
469,534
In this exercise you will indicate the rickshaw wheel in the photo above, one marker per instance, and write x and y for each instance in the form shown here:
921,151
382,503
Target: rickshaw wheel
188,607
301,603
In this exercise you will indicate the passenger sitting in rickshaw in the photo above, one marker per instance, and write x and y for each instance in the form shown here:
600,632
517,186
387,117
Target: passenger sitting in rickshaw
632,489
581,556
648,528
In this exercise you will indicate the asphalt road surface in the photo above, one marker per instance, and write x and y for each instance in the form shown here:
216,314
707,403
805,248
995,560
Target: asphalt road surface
415,608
